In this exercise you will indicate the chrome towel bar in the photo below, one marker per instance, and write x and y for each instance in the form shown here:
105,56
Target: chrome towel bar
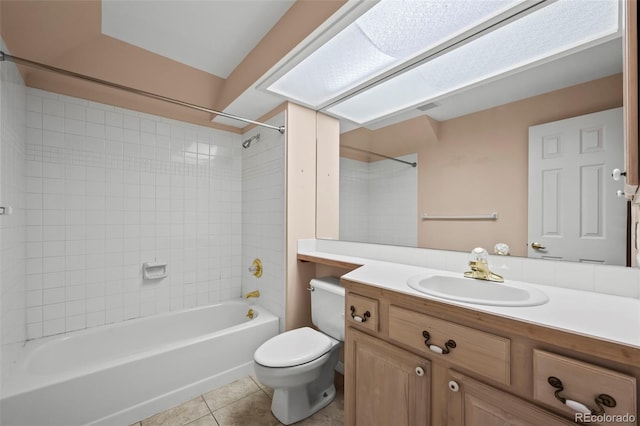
490,216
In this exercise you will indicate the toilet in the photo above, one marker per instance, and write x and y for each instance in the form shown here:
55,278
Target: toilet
299,364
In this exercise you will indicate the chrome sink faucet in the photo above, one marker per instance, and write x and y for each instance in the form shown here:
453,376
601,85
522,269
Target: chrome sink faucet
480,267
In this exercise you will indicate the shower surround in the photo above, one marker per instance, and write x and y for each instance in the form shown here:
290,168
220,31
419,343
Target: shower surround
108,189
379,201
263,216
12,194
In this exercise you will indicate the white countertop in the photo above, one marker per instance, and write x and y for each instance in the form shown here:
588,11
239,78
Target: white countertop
607,317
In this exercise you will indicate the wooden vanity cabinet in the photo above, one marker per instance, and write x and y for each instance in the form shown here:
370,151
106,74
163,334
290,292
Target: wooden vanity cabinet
495,374
473,403
387,385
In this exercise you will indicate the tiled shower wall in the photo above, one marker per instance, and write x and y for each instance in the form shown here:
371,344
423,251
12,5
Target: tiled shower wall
12,185
378,201
354,200
263,214
108,189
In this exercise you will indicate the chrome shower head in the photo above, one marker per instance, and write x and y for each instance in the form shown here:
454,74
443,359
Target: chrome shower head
247,143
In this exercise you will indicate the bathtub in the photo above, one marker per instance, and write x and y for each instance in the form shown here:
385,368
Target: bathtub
121,373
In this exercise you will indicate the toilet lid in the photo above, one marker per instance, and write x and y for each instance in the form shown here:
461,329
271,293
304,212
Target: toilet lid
292,348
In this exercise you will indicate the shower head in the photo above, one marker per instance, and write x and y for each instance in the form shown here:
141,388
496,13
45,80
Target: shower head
247,143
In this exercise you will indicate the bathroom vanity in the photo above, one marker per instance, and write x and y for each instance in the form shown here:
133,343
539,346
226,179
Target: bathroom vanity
412,359
416,361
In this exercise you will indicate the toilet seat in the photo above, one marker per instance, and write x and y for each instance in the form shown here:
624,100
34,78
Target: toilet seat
293,348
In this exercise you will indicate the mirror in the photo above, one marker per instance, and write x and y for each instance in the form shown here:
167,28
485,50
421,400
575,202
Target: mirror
471,151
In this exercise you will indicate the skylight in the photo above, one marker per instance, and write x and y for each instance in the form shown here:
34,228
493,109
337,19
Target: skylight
560,27
386,36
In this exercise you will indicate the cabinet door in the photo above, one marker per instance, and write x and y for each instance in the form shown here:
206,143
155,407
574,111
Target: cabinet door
384,385
472,403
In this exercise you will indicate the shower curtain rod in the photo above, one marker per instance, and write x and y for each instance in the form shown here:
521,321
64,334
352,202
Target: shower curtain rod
414,164
22,61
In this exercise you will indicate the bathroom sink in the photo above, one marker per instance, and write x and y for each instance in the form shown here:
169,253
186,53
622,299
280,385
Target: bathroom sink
477,291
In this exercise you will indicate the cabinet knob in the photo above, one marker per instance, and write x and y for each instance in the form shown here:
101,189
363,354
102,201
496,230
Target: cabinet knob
617,174
419,371
453,386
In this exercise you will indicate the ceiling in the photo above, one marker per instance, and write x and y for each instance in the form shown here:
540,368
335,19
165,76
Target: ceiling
204,52
220,33
218,53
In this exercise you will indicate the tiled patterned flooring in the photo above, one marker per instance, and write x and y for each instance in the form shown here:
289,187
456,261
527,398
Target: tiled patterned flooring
244,402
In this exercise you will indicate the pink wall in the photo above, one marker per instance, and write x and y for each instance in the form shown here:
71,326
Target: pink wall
478,164
300,210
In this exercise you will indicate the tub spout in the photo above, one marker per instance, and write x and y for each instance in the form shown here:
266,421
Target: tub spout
255,293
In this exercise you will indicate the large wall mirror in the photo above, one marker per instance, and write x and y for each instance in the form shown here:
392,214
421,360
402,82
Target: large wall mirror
470,185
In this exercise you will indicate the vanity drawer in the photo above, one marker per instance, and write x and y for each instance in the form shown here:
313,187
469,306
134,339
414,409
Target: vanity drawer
478,351
362,311
583,383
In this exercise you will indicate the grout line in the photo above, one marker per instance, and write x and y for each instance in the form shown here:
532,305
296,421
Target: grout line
260,387
205,403
200,418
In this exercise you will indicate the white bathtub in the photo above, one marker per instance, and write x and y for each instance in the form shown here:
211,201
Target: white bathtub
121,373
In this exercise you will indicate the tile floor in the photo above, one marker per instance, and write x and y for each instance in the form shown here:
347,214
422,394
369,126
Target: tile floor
244,402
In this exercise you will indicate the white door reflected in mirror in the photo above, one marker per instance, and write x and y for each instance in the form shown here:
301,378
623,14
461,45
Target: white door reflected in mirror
574,211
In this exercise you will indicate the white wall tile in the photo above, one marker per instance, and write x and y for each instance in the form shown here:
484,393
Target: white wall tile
34,103
101,185
114,119
34,137
262,221
34,331
53,311
95,115
53,107
55,326
78,112
369,200
14,104
53,123
617,281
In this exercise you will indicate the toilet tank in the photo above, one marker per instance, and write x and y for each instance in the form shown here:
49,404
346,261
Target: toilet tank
327,306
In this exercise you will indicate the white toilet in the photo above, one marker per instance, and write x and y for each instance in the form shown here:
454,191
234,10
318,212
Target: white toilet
299,364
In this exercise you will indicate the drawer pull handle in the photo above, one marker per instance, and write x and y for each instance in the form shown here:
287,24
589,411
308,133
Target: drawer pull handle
450,344
358,318
601,400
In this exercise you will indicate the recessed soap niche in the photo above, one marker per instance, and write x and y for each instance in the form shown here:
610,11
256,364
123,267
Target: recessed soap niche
154,270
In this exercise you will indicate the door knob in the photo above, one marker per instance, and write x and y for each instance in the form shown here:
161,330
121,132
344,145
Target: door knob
419,371
538,246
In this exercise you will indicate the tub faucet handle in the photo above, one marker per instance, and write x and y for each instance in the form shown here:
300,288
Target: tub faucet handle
256,268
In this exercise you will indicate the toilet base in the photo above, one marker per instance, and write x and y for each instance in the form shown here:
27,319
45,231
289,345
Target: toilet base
294,404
